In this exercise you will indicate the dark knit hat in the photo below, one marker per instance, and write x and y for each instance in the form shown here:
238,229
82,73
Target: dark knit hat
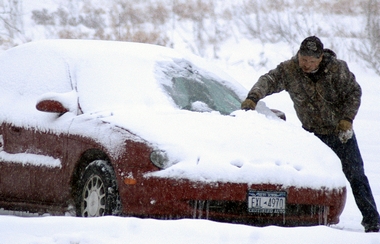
311,46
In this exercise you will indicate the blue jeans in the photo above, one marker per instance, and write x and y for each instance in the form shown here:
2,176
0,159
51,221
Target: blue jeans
352,166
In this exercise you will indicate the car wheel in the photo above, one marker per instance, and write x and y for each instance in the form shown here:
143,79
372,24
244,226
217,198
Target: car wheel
98,192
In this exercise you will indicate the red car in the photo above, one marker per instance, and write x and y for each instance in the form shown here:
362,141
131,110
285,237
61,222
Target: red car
95,128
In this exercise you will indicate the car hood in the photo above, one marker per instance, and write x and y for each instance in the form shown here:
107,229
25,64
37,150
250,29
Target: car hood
245,147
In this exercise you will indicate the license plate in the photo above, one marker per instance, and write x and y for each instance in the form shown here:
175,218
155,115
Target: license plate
266,202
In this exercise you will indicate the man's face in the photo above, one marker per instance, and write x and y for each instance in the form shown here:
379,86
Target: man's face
309,64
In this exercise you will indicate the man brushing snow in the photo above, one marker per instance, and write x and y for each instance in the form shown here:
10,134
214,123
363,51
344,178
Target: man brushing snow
326,99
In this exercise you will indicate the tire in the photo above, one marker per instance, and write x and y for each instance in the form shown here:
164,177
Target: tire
98,193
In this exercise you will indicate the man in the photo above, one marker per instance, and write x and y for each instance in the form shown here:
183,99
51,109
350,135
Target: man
326,99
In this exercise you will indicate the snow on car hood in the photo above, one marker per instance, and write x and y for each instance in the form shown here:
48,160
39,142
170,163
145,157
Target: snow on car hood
245,147
121,84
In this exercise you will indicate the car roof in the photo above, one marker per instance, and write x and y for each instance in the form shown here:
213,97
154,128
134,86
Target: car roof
94,69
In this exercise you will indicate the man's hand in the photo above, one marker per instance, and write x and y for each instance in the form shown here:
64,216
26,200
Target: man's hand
248,104
345,131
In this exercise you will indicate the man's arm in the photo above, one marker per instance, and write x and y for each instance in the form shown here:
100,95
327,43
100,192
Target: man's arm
351,97
268,84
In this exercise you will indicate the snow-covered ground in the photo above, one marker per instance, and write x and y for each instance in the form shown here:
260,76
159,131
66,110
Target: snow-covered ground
113,230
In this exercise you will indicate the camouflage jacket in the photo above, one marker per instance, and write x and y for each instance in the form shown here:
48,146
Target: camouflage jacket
320,99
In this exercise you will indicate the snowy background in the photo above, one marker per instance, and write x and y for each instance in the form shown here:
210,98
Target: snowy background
344,27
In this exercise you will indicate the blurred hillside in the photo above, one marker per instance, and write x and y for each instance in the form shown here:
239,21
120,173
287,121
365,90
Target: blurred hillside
203,27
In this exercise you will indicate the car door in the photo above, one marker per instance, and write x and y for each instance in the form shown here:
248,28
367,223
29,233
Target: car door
48,174
30,164
15,182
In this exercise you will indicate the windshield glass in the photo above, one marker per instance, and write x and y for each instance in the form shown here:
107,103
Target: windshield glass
194,91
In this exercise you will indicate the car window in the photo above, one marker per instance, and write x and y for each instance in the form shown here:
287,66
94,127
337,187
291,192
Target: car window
194,91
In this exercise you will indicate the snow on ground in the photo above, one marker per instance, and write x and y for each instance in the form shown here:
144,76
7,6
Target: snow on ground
114,230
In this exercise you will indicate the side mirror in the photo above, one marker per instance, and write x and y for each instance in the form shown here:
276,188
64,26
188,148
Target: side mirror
51,106
60,103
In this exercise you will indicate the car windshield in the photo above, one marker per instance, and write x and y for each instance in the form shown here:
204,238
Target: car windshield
194,91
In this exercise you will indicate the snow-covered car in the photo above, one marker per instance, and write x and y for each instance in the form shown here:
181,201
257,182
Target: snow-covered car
96,128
